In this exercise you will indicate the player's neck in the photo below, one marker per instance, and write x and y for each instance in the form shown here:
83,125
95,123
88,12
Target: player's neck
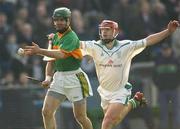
110,45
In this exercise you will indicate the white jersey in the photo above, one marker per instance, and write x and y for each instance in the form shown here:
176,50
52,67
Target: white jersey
113,65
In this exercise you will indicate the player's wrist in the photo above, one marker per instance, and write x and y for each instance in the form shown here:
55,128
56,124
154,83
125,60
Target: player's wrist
168,31
40,51
48,78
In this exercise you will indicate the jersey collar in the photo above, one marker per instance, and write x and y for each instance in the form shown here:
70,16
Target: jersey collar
60,35
114,43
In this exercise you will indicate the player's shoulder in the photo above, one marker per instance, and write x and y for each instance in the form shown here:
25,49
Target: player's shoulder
124,42
91,41
71,34
50,36
98,42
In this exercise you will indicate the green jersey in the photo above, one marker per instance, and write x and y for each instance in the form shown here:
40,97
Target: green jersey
69,43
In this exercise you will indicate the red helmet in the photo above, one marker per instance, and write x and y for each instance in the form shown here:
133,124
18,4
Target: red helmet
109,24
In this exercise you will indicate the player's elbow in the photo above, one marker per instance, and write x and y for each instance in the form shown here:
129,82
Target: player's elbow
150,41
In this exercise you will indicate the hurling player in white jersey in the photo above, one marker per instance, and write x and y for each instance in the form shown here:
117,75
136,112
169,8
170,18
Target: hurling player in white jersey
112,59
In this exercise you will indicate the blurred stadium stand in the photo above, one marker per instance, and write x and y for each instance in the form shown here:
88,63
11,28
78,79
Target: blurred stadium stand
24,21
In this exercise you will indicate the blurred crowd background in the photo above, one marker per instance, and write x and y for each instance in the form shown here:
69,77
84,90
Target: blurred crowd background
24,21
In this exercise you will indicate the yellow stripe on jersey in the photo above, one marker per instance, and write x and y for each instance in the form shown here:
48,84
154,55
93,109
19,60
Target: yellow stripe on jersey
84,84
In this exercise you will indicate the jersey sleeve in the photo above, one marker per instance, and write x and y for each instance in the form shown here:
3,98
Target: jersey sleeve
50,38
46,58
70,44
87,47
138,46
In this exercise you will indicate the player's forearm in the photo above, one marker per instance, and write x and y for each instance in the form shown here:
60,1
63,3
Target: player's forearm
51,53
49,69
157,37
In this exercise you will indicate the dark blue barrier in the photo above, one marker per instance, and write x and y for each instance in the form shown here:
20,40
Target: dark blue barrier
20,108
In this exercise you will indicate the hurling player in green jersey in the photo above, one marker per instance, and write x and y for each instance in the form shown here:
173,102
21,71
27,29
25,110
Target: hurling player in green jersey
69,81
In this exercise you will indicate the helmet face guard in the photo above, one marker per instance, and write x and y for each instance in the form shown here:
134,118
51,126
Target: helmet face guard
109,24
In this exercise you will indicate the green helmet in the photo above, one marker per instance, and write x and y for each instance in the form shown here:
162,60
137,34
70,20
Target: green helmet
62,12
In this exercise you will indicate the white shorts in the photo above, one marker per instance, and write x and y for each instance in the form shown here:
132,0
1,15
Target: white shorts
73,84
122,95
